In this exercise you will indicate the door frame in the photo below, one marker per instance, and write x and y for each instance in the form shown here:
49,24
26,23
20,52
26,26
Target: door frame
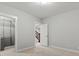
35,39
40,35
15,19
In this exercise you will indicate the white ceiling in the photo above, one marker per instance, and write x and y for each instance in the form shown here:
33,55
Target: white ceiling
43,10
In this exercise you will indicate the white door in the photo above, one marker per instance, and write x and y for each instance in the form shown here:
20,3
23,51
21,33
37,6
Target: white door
43,35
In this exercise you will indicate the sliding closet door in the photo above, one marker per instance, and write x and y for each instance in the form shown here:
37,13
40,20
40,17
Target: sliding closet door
7,33
1,34
12,32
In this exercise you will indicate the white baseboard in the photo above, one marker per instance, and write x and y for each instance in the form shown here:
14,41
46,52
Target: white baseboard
24,49
66,49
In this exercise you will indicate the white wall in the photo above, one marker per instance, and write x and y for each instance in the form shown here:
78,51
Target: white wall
64,30
25,26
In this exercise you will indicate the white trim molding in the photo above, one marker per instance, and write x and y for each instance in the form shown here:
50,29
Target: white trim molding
66,49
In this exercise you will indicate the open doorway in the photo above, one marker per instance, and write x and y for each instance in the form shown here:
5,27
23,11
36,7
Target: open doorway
37,35
41,35
7,32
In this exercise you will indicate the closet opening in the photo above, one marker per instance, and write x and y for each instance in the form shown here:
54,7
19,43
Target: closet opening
7,32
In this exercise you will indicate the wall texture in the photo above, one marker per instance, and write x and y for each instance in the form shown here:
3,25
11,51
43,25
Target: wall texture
25,26
64,30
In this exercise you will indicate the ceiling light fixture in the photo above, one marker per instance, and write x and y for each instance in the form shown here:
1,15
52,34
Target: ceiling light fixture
43,1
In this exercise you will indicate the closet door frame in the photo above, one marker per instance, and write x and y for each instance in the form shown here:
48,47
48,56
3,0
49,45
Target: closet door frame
15,19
